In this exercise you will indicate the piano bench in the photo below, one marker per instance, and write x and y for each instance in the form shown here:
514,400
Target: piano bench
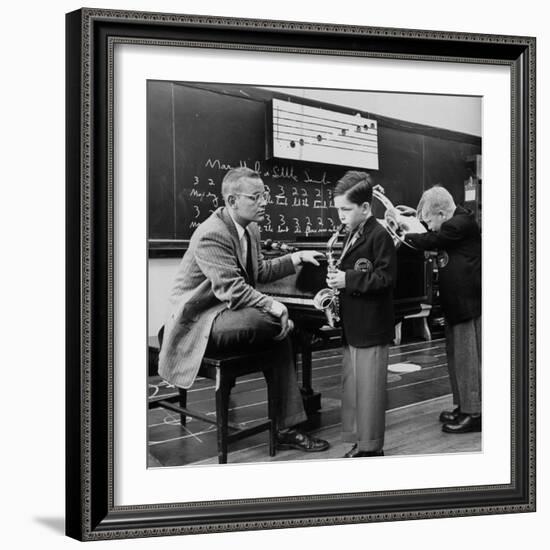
224,369
423,315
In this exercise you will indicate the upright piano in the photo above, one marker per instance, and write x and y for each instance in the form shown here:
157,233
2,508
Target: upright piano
413,288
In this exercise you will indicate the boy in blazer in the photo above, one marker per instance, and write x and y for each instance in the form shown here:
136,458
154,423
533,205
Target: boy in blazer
365,279
454,233
215,305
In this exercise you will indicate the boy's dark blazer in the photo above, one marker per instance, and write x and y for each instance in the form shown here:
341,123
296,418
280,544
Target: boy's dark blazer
458,243
366,304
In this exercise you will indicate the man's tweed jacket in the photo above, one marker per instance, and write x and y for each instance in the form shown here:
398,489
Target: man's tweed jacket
210,278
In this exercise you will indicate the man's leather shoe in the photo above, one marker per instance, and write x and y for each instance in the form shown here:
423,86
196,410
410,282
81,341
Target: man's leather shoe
294,439
450,416
354,452
465,423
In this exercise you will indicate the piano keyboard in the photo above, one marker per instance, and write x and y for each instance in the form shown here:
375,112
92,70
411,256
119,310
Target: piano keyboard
293,300
296,301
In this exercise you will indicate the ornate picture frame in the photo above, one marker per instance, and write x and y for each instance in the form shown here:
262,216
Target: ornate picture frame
92,513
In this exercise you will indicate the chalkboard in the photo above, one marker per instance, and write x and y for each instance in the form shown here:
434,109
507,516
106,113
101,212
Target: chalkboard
197,133
207,133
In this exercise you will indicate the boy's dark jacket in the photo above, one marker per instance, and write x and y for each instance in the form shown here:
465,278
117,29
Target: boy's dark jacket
458,243
366,304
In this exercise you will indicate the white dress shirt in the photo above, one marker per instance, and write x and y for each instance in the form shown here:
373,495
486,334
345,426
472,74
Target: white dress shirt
242,239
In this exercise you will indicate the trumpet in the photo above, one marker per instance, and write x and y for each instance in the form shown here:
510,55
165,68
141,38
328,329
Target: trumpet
395,221
327,299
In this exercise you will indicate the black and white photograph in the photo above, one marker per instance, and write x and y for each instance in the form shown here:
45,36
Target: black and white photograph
314,274
270,275
300,274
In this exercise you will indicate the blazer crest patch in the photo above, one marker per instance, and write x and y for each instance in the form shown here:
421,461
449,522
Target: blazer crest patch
363,264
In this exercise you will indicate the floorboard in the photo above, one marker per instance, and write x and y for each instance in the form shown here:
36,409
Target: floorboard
412,427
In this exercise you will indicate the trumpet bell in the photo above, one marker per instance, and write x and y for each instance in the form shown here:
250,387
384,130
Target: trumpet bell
398,225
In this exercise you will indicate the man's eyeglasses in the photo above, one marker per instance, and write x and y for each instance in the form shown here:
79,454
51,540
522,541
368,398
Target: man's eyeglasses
257,197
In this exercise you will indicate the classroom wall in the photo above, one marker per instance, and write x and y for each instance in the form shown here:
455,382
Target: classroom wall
451,113
161,274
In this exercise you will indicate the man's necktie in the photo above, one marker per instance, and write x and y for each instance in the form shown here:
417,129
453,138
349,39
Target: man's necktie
249,267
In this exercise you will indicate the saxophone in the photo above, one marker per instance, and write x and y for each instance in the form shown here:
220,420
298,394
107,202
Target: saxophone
327,299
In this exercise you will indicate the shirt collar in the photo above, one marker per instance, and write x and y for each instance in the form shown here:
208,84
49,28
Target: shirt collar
240,229
361,227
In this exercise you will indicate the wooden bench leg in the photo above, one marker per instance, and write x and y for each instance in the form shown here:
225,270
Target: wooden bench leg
222,415
397,339
272,396
183,404
426,329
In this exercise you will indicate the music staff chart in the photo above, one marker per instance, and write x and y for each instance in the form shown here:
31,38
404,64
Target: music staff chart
313,134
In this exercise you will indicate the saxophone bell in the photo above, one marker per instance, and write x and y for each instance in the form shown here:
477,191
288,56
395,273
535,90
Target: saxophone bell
326,300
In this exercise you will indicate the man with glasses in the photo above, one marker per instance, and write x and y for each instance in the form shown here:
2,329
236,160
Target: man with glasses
216,307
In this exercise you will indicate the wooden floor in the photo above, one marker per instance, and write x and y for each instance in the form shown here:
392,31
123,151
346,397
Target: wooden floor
412,427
